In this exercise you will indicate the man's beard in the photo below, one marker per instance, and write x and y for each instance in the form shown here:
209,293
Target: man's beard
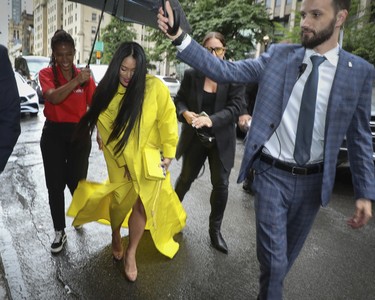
318,38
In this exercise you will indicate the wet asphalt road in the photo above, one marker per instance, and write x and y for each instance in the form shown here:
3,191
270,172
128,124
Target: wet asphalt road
336,262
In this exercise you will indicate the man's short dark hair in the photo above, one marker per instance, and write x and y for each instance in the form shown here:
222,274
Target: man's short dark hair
341,4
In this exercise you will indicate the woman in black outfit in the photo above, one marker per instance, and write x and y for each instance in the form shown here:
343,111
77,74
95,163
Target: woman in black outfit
208,109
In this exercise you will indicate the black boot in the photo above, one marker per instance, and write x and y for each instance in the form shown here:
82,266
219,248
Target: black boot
217,241
182,187
218,203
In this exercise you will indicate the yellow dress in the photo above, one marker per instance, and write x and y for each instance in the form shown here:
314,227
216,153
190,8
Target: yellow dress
113,200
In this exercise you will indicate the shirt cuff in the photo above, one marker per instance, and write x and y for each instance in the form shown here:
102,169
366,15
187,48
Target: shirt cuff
184,43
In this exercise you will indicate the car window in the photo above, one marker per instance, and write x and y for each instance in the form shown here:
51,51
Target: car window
36,64
170,79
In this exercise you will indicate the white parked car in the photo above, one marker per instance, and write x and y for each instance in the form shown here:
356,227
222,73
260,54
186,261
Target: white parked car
172,83
28,97
36,63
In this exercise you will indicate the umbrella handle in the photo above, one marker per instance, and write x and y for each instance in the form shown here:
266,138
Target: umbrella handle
176,20
176,24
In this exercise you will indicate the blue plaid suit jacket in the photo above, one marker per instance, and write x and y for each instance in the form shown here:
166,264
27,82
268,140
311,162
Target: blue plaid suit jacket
276,72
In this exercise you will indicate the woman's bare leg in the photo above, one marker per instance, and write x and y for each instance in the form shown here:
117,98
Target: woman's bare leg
117,250
137,223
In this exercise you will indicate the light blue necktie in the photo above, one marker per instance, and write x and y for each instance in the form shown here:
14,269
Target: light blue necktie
307,113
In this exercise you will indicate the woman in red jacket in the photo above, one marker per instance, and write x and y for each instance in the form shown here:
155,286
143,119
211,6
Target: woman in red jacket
68,92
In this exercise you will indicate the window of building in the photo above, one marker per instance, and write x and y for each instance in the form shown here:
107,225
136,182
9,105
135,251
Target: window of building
93,17
93,29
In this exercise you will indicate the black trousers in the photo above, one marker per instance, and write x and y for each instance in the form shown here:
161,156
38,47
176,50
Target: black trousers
193,160
65,164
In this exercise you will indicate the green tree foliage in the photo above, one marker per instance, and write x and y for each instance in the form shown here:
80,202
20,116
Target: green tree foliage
242,22
282,33
359,33
113,35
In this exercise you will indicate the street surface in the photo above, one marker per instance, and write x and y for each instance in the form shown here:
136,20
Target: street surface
336,262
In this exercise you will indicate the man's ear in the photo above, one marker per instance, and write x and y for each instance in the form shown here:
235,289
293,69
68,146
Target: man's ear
341,17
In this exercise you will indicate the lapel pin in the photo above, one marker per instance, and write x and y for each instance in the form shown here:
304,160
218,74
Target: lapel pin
350,64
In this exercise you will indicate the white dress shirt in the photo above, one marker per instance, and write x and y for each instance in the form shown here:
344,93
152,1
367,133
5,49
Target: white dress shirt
281,144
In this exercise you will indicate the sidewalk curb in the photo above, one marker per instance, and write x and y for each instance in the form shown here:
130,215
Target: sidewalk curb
4,287
10,270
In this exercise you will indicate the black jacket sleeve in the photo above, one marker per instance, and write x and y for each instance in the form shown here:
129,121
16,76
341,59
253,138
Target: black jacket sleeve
9,108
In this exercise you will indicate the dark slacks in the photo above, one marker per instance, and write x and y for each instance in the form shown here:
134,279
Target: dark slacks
65,164
193,160
285,207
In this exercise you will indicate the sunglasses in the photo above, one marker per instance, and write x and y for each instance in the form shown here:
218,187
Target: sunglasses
217,50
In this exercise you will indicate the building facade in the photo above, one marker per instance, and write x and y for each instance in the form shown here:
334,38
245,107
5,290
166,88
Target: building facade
78,20
16,27
21,35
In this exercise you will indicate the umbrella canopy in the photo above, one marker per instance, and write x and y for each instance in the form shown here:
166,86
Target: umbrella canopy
137,11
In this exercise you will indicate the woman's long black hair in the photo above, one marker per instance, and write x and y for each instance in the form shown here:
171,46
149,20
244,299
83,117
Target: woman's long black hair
130,109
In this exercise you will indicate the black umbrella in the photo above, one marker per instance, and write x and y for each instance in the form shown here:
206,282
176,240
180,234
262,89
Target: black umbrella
135,11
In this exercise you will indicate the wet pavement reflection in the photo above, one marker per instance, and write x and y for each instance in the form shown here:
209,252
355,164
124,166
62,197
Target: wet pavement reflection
336,262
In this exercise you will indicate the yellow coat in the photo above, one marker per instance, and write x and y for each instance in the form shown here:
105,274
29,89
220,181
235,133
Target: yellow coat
112,201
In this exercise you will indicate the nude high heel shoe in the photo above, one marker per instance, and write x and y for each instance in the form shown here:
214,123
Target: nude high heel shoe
131,275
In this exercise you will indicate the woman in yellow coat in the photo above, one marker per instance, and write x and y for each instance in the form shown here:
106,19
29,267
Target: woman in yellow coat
136,119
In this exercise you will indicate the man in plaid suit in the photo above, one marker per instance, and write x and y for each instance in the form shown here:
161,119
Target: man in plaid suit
288,195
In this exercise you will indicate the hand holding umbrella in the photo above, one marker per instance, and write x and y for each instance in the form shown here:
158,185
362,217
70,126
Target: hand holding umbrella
172,30
167,22
84,75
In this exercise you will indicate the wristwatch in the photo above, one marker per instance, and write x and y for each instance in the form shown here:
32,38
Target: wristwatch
179,40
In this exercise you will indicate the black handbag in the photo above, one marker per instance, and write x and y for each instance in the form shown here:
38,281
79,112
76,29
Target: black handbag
207,140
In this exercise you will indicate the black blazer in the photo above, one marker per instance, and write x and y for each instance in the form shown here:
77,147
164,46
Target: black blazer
9,108
229,102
